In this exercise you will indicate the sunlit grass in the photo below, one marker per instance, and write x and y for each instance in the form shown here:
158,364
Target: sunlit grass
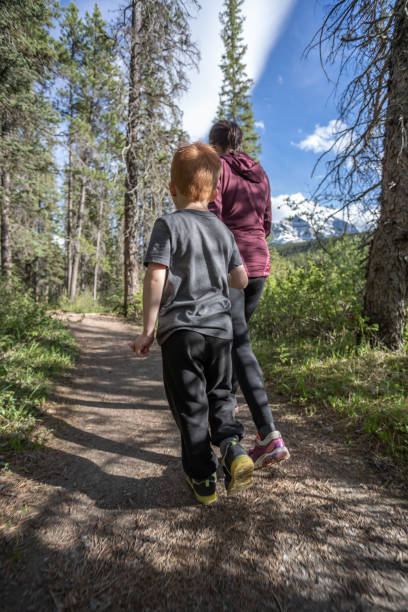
34,349
83,302
368,387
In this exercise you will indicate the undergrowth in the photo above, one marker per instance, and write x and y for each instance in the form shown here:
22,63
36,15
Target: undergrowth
83,303
305,334
34,349
108,303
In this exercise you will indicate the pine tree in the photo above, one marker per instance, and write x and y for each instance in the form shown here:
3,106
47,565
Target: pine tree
71,32
160,50
92,103
235,101
26,125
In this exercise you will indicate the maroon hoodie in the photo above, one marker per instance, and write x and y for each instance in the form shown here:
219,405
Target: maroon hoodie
243,203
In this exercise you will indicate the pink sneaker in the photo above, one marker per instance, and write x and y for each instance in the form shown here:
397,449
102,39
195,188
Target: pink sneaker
270,450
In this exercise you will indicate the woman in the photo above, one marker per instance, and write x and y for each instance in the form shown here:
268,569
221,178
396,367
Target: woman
243,203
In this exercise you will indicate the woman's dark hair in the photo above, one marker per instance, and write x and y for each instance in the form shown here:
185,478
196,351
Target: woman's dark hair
226,134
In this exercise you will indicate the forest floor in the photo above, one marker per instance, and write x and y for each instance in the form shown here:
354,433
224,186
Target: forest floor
101,518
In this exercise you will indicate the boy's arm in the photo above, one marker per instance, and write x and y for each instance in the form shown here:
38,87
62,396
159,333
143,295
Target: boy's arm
153,285
237,278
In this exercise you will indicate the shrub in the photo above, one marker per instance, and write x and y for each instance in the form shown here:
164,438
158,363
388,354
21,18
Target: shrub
34,348
83,302
305,333
321,297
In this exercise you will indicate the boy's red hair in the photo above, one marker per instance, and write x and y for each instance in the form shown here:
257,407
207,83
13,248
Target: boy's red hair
195,170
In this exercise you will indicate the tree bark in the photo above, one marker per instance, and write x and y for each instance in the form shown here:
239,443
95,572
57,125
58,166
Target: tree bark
77,241
6,260
98,249
387,274
69,218
131,271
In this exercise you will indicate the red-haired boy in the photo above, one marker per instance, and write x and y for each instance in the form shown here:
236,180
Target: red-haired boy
191,259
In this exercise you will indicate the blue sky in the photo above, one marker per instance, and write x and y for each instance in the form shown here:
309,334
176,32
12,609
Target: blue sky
292,99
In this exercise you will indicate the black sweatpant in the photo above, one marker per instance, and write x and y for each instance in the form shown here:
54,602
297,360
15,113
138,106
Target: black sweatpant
197,381
247,371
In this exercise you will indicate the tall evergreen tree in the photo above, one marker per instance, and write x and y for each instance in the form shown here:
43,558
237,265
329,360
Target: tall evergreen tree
26,122
235,96
160,50
71,33
91,102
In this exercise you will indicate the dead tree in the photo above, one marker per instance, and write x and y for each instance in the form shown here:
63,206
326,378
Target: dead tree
369,164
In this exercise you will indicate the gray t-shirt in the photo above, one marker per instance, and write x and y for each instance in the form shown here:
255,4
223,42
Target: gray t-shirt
199,251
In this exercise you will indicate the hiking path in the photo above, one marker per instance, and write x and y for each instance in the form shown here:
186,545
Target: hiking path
101,518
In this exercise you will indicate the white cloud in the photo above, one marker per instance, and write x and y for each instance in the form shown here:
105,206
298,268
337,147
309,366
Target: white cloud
280,79
281,205
262,27
263,24
260,125
324,137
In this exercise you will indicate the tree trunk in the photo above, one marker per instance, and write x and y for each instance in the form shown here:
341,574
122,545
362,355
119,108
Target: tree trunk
387,275
131,272
5,227
69,219
77,241
98,249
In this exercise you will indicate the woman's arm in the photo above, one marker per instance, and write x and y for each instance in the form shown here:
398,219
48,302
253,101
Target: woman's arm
268,212
216,206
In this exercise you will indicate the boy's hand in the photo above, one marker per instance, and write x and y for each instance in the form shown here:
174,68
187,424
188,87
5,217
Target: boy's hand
142,344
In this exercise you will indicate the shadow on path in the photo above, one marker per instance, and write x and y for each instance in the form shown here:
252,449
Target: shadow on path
111,524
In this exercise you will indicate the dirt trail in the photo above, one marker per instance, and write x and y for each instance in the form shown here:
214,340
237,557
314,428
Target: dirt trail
102,519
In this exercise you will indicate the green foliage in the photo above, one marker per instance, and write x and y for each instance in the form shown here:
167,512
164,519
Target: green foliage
235,102
34,348
316,350
91,99
83,302
135,310
321,298
27,124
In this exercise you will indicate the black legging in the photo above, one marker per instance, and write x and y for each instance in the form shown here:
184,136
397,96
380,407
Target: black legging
247,371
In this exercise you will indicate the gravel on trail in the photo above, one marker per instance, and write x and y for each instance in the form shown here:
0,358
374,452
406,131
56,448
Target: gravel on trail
101,518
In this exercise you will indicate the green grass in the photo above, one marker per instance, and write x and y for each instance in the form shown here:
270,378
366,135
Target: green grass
34,350
305,334
83,303
366,388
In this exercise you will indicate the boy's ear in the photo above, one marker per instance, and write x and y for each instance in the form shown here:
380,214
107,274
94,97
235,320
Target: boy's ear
172,189
213,195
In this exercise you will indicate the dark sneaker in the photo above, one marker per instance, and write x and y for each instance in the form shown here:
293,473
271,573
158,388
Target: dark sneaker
204,490
268,451
238,468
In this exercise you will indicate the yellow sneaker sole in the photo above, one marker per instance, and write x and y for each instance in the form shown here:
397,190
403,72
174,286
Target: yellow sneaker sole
242,470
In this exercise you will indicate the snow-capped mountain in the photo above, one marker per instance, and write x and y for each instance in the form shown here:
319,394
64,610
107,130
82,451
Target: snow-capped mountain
300,229
296,219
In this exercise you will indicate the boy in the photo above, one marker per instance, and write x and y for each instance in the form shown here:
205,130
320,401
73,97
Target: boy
191,259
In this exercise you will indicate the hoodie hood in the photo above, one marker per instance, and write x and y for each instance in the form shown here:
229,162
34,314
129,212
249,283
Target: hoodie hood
242,164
